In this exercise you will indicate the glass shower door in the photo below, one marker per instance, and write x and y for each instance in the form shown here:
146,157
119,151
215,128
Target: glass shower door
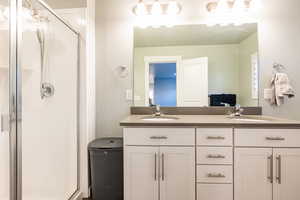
4,101
49,70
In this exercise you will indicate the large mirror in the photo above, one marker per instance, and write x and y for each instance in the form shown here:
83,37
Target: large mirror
196,65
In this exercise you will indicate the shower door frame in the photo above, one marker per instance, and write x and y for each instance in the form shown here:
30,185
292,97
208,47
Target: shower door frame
15,97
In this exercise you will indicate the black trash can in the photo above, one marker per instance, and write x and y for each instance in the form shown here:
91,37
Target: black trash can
106,168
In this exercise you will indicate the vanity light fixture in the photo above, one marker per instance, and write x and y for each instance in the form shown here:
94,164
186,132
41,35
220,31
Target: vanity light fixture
140,9
173,8
237,12
156,9
156,13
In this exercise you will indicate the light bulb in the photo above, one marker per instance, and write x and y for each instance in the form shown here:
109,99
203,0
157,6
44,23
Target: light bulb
140,9
239,6
173,8
156,8
222,6
255,5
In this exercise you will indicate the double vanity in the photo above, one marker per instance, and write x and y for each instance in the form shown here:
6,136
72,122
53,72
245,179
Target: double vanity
211,157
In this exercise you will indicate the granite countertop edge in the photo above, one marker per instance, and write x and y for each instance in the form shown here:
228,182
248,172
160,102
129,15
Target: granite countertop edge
209,121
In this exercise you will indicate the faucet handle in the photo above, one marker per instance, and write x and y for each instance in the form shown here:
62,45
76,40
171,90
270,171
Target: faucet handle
237,106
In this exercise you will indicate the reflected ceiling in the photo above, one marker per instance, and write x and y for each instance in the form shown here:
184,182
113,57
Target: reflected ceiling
198,34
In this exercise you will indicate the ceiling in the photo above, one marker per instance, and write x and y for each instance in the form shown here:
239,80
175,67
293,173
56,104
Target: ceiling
66,3
199,34
56,4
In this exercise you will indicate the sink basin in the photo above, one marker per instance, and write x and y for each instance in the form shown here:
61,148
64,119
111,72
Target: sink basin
249,118
159,118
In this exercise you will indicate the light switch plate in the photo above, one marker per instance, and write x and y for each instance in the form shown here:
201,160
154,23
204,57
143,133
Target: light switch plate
129,94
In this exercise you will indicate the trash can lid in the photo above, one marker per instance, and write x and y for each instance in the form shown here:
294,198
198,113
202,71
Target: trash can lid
106,143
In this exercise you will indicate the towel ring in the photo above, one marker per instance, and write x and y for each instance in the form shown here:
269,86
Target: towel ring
278,67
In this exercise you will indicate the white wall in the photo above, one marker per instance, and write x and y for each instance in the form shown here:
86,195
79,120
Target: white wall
278,42
247,47
58,4
114,47
4,99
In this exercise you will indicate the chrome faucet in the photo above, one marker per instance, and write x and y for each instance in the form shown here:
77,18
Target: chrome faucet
237,112
156,106
157,110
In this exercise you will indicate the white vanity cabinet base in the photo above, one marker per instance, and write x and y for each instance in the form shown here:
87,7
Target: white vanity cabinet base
252,169
214,192
214,137
177,173
214,155
139,173
266,164
159,164
159,136
289,188
214,174
267,137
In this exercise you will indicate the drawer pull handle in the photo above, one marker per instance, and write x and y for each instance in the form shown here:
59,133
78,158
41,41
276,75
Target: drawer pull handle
158,137
270,176
215,156
215,138
155,166
214,175
278,171
275,138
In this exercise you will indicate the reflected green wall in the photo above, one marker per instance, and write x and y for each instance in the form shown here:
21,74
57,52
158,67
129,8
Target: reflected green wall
229,67
247,47
223,69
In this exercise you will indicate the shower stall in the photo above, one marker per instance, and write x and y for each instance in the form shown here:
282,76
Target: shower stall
39,103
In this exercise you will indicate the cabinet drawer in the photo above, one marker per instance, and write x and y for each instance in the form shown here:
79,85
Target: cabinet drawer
214,136
159,136
214,174
267,137
214,155
214,192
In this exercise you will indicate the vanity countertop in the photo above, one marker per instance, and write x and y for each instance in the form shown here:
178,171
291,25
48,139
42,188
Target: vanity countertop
211,121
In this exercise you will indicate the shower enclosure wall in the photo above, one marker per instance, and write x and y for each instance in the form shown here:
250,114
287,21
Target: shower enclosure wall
39,103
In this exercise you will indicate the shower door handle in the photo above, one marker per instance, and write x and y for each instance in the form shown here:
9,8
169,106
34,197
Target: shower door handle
4,123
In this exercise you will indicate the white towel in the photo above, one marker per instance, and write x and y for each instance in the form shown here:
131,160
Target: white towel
281,88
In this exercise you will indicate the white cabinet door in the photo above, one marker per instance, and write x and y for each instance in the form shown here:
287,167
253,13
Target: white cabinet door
287,174
177,174
141,173
252,174
193,82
